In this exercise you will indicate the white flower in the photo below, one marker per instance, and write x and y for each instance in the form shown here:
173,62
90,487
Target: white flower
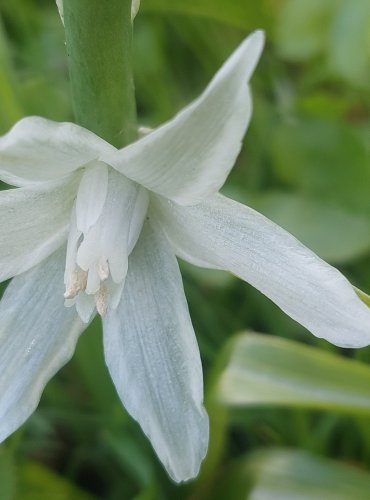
124,215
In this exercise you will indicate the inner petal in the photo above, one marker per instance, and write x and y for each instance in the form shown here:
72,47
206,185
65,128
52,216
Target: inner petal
102,238
91,195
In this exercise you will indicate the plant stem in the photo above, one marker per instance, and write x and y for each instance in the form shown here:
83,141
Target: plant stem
99,50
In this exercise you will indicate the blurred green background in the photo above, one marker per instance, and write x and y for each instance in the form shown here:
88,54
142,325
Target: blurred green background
290,414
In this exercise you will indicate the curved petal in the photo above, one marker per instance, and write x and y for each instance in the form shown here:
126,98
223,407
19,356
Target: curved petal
34,223
231,236
91,195
38,150
37,336
118,227
190,156
153,357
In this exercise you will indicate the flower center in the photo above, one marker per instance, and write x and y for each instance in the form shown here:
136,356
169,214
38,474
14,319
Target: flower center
106,222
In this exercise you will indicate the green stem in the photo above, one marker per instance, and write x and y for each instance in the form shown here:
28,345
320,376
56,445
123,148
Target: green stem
99,49
11,110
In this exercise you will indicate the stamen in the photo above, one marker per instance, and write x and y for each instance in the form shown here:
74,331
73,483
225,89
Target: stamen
103,268
77,283
101,301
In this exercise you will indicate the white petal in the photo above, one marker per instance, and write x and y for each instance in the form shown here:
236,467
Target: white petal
190,156
37,336
135,6
91,195
60,9
153,357
85,306
116,231
34,223
72,245
36,150
234,237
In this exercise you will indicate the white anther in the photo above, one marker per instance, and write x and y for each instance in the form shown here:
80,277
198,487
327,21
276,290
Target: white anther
76,283
102,268
101,301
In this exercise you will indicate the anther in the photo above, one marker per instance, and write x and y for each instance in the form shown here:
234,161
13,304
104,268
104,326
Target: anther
101,301
77,283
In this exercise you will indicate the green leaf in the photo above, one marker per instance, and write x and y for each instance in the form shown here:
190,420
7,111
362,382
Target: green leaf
289,474
324,159
302,27
349,49
267,370
7,475
241,14
36,481
318,225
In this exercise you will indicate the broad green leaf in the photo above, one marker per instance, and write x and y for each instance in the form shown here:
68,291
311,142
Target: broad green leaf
247,15
324,159
318,225
291,475
267,370
36,482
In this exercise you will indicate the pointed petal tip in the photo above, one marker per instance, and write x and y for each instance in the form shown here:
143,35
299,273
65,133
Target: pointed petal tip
258,36
252,47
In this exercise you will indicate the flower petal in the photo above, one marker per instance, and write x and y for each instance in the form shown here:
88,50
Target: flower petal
117,229
37,336
34,223
91,195
153,357
37,150
231,236
190,156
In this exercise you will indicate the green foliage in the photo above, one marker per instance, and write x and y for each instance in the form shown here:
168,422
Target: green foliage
296,474
238,13
266,370
36,481
333,29
299,213
305,164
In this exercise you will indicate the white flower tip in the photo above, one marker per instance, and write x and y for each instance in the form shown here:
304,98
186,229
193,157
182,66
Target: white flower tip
134,8
60,9
258,37
253,46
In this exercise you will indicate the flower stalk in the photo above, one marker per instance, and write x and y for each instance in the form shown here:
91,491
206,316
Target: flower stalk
99,50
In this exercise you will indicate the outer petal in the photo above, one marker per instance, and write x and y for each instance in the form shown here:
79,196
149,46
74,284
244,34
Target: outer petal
37,336
153,357
34,223
36,149
190,156
234,237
